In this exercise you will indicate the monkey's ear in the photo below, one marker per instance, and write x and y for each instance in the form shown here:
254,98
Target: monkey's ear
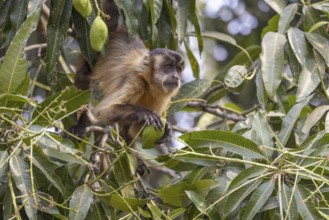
146,60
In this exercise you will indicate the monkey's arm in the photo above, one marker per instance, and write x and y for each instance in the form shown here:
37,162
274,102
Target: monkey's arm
123,113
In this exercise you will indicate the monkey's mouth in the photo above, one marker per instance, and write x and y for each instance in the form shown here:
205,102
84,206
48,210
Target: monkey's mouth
171,85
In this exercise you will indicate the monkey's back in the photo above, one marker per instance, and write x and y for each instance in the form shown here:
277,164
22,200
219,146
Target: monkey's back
117,74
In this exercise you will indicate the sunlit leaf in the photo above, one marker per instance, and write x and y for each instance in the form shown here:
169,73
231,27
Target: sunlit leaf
126,204
235,76
272,61
308,80
298,44
286,17
229,141
276,5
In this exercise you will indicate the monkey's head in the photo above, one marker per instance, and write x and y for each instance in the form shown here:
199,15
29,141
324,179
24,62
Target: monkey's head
167,67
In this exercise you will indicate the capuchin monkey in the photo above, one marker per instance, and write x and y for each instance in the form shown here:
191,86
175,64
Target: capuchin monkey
136,85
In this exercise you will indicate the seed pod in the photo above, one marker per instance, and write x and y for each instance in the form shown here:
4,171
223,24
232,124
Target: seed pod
98,34
83,7
150,135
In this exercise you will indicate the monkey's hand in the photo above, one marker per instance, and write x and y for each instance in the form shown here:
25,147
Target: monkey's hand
167,134
153,119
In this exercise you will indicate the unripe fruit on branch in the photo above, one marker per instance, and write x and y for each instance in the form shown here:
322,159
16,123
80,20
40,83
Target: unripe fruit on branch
98,34
83,7
150,135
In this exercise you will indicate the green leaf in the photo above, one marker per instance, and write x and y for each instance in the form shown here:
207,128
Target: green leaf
314,117
81,200
289,203
188,91
235,199
83,36
318,25
229,141
3,163
35,6
305,207
126,204
311,17
155,11
196,175
263,132
272,26
175,194
60,105
276,5
155,211
58,24
272,61
193,61
308,80
17,15
203,205
42,162
131,11
260,89
246,175
321,44
286,17
258,199
235,76
290,119
7,100
192,11
14,66
22,179
176,212
181,18
298,45
123,175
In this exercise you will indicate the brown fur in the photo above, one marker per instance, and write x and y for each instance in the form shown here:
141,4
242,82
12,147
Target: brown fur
128,75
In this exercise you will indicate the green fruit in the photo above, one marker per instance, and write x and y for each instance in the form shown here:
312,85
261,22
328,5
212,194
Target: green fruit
83,7
98,34
150,135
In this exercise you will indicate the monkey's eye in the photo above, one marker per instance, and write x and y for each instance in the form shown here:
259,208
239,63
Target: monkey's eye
168,67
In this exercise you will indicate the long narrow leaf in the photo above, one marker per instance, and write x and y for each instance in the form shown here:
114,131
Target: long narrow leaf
258,199
272,59
14,66
80,202
23,182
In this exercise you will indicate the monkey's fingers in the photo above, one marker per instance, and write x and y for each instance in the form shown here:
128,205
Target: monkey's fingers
157,123
154,120
167,135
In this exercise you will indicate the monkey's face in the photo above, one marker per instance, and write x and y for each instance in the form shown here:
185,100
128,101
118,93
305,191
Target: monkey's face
168,67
